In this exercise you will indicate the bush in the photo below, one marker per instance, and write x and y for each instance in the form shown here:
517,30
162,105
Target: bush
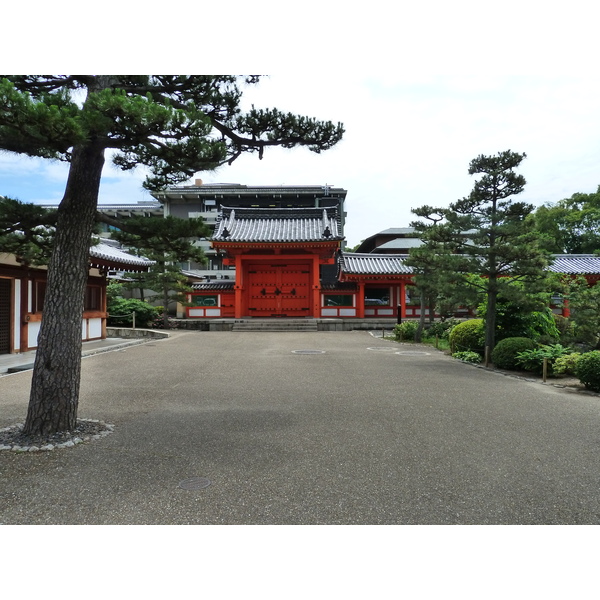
525,318
406,330
470,357
468,336
504,355
567,364
441,328
120,312
533,360
588,370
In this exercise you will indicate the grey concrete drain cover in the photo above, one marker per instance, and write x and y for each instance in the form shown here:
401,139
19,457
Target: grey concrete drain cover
194,483
414,353
308,351
382,349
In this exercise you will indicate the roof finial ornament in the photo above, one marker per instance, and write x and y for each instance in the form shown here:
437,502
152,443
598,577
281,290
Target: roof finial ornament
225,233
327,232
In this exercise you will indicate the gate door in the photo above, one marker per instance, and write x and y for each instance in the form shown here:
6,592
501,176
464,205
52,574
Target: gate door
5,293
279,290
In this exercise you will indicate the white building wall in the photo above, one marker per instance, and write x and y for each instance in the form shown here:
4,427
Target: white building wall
95,328
33,330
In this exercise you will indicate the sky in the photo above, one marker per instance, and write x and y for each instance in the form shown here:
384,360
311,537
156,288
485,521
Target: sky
418,104
408,143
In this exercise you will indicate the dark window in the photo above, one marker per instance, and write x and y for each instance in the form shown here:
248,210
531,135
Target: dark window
92,297
377,296
339,300
39,293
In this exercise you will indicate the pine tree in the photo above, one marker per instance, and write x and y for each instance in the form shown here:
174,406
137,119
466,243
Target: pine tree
488,234
175,126
27,231
167,242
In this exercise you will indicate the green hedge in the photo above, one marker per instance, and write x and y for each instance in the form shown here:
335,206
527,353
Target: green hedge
468,336
504,355
588,370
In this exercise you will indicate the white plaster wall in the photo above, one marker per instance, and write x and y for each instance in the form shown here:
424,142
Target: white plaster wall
33,330
95,328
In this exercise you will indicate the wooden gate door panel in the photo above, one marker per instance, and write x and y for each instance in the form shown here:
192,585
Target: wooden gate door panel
279,290
262,284
294,285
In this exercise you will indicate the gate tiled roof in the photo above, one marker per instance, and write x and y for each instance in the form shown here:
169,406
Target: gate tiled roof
352,263
278,225
214,285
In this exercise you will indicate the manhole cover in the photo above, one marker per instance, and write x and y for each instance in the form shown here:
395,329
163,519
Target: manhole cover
382,349
413,353
194,483
308,351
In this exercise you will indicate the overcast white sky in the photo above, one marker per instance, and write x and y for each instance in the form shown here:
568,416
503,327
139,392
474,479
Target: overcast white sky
421,92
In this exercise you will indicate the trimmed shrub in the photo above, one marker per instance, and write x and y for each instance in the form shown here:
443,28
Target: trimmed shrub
567,364
468,336
504,355
588,370
406,330
470,357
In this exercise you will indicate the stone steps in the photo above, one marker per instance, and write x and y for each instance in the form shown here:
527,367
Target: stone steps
275,325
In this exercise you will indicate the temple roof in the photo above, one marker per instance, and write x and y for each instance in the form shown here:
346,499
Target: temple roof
106,253
278,225
352,263
214,285
576,264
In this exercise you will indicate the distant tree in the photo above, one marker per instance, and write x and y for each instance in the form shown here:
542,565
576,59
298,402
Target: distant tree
584,303
427,263
27,231
570,226
354,248
175,126
487,235
167,242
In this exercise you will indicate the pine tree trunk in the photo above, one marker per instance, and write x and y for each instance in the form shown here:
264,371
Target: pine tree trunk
421,326
54,393
490,316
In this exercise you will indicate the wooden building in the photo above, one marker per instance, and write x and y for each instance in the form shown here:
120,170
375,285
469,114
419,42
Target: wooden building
22,290
290,263
278,254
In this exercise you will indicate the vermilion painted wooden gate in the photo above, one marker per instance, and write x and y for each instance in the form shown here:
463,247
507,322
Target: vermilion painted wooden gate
281,290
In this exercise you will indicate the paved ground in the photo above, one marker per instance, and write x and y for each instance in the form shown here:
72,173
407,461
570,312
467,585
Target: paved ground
367,432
